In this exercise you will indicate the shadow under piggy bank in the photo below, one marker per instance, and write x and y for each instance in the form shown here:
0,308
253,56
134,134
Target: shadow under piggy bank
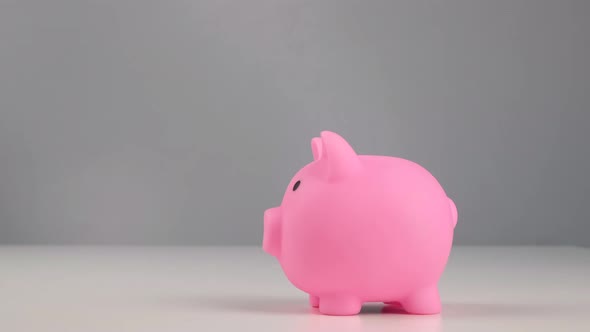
373,316
299,306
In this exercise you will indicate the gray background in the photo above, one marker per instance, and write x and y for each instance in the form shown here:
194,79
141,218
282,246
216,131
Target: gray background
179,122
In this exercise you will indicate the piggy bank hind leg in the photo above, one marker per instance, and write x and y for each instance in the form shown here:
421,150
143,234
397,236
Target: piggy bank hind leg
425,301
339,305
395,305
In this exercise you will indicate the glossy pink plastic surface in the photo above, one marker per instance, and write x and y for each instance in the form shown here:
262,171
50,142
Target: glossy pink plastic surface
361,228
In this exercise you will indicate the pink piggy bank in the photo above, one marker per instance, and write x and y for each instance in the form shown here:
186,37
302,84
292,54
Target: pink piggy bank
356,228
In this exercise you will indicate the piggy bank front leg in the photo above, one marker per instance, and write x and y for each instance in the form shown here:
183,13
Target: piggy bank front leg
339,305
271,242
425,301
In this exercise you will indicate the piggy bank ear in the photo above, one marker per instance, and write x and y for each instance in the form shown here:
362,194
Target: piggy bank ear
340,158
316,148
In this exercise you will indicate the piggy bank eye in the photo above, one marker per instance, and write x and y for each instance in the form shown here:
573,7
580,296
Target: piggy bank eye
296,185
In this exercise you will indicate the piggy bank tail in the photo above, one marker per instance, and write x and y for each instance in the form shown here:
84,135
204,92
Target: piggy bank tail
454,215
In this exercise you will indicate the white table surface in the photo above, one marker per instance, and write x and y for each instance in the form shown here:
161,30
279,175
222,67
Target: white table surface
86,289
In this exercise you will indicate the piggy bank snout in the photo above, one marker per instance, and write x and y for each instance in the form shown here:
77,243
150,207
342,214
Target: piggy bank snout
271,242
272,215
